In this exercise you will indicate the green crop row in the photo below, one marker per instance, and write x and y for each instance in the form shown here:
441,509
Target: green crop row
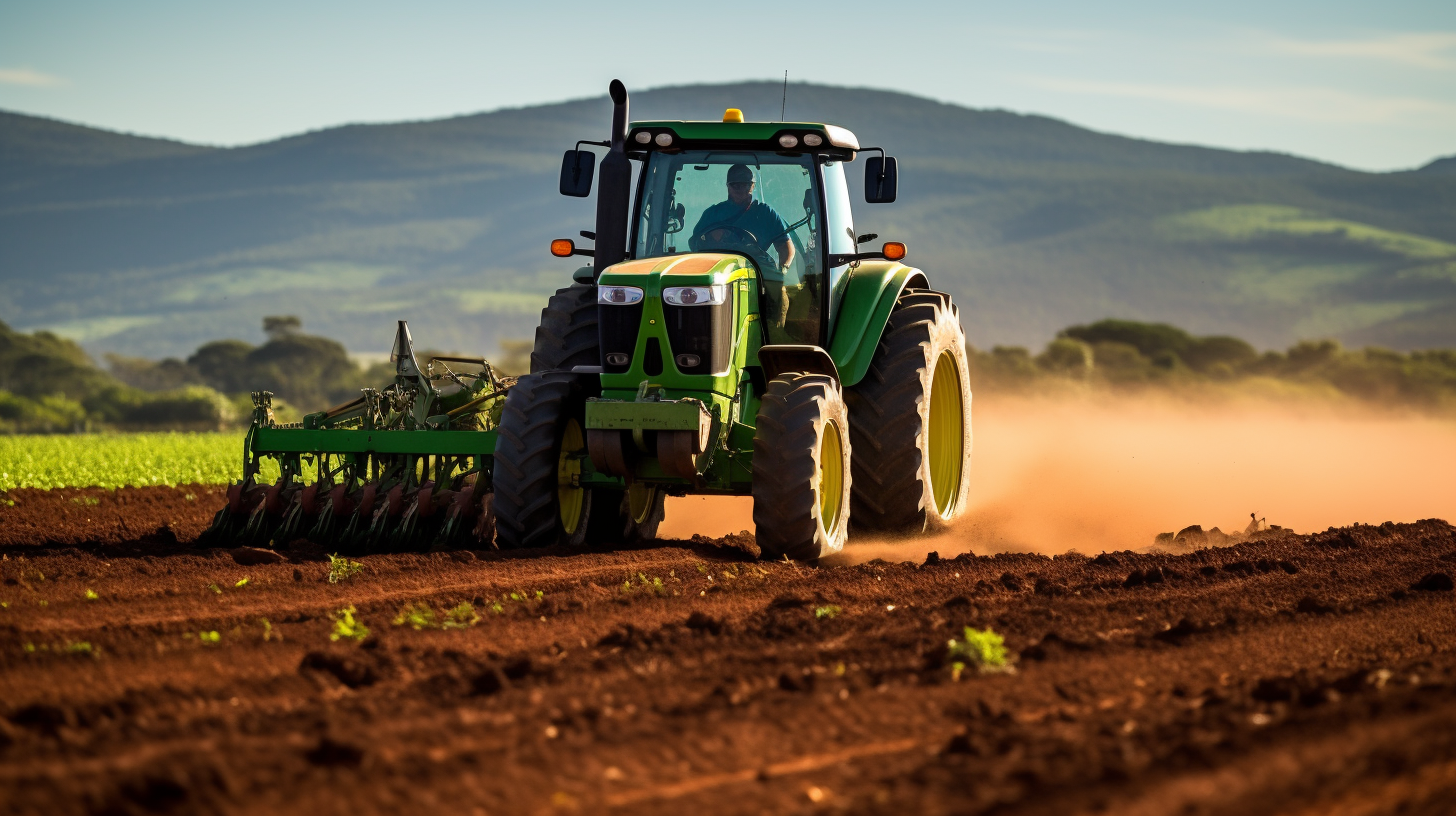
119,460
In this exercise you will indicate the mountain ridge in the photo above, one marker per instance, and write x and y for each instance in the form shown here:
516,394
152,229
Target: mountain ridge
1033,223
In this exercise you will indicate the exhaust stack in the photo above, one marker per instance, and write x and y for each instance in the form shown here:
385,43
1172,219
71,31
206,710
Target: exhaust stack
614,189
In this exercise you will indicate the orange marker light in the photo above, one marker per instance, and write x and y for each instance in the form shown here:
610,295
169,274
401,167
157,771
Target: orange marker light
895,251
563,247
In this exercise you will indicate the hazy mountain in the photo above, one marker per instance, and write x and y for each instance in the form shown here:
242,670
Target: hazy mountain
148,247
1445,165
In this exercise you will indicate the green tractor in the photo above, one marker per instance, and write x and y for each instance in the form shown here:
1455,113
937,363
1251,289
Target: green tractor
730,337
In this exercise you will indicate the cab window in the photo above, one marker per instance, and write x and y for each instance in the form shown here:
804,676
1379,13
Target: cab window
760,205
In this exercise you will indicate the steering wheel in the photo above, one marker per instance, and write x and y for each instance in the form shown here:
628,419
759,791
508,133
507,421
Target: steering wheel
748,247
744,235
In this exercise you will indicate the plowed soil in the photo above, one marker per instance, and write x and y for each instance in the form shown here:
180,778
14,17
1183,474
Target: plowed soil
1291,674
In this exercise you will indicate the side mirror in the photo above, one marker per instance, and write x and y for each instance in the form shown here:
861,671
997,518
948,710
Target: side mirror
577,168
881,180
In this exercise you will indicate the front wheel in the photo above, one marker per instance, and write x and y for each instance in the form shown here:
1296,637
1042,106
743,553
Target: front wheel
801,476
540,447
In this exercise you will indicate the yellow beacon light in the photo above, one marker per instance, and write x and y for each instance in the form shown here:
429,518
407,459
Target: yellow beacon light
733,115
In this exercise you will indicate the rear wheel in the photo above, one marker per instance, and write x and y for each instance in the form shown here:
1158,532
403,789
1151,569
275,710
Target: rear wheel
644,507
801,468
911,420
540,447
639,510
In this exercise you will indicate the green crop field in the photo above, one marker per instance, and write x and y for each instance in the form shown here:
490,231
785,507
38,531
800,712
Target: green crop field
119,460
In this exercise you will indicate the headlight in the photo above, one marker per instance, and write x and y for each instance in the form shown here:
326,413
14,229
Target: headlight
695,295
618,295
788,140
664,139
643,137
813,139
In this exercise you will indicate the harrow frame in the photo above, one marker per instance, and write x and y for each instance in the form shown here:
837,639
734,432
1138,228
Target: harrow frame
405,467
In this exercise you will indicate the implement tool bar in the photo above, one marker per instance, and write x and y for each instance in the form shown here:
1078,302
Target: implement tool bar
295,440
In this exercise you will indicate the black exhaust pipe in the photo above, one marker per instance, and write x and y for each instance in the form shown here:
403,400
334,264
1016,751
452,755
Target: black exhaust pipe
614,189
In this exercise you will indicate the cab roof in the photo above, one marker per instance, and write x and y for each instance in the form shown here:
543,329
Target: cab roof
777,136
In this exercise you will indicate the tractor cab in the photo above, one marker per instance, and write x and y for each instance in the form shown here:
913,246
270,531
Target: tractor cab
774,193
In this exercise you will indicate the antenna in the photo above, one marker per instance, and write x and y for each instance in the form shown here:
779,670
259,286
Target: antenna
785,104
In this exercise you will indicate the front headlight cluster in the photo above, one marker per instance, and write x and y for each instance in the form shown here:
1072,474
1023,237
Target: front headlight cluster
618,295
695,295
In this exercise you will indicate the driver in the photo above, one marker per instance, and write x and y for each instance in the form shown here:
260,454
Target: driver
742,213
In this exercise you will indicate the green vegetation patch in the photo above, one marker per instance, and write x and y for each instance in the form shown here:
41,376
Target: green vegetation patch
419,616
342,569
982,650
347,626
1247,222
119,460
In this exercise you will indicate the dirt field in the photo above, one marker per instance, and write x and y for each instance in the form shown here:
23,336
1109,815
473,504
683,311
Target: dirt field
1295,674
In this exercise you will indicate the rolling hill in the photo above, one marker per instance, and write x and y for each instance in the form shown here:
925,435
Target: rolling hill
149,247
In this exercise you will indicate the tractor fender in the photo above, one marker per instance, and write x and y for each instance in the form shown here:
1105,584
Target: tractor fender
776,360
865,309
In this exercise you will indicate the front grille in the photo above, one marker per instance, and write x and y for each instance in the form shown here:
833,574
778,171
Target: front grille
652,358
618,326
705,332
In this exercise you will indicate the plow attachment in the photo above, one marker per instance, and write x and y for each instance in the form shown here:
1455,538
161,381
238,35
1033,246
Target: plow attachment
407,467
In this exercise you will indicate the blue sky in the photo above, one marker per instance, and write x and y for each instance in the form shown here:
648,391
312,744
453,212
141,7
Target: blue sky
1367,85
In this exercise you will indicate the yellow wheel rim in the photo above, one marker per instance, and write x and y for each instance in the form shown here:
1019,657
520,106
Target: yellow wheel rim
947,433
831,476
640,499
570,496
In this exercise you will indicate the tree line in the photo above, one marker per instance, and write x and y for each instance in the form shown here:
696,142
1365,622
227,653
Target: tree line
48,384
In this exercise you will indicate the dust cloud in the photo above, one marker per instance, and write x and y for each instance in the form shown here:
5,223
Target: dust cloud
1095,474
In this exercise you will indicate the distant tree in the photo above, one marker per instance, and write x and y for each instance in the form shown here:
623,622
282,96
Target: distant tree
310,372
1067,356
1120,362
39,364
1207,352
223,364
148,375
278,327
1150,339
1310,354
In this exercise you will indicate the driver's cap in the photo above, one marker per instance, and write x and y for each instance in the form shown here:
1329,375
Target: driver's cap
739,172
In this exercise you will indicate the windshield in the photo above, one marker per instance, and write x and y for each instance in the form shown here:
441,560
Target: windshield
762,205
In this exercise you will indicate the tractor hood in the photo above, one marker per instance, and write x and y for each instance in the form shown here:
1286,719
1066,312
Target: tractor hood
690,269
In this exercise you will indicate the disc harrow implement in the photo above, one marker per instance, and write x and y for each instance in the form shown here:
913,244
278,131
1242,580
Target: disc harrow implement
405,467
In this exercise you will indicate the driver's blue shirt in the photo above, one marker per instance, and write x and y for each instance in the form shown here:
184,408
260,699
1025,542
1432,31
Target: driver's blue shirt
758,218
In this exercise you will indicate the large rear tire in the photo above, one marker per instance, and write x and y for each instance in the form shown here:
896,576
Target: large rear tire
801,468
910,420
567,334
540,445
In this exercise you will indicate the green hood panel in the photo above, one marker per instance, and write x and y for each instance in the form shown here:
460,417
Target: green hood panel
873,289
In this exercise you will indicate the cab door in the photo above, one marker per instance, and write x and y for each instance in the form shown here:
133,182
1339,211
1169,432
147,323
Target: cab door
838,238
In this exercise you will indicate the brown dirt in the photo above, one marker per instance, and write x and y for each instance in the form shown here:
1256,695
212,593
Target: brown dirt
1297,674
